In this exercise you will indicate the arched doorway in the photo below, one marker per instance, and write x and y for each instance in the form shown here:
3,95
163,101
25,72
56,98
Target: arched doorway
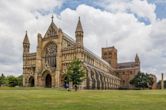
31,81
48,81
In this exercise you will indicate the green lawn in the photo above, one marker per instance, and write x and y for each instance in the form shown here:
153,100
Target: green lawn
53,99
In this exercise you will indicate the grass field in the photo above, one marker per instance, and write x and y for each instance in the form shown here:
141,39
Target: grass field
53,99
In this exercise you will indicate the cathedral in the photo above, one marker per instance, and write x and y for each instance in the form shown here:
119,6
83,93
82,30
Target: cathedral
56,50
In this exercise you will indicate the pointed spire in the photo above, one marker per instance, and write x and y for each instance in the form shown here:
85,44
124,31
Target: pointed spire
26,40
137,58
79,26
52,23
52,18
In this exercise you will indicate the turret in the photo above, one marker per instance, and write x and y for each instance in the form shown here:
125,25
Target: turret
137,61
39,38
79,34
26,44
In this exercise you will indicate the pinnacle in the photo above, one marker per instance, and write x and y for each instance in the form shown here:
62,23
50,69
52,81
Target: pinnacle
79,26
26,40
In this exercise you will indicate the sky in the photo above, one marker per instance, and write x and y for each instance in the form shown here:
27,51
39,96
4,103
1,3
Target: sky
132,26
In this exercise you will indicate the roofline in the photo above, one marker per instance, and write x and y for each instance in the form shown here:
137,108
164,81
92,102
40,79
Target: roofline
87,50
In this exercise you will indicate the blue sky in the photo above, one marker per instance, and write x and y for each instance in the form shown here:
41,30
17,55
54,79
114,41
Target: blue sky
73,4
160,8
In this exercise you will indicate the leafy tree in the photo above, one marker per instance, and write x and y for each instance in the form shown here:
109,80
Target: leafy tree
2,80
19,79
75,73
12,81
142,80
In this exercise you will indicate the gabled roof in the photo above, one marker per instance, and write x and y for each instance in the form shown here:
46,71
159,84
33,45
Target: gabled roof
67,37
51,28
126,64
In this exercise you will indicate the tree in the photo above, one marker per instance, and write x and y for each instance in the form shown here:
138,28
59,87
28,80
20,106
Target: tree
75,73
2,80
12,81
19,79
141,80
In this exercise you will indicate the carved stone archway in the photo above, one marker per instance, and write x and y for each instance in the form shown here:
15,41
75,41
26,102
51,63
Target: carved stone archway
31,81
48,81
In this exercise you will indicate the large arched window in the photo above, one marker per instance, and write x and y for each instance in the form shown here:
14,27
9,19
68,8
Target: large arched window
50,55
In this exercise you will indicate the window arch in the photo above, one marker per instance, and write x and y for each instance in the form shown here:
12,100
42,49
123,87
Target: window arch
50,54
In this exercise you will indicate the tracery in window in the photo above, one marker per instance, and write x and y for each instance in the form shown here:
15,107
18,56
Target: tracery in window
50,55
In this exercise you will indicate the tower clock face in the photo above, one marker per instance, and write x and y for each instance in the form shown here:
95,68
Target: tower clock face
51,49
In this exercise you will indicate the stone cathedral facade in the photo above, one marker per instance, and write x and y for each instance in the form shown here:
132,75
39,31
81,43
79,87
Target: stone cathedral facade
54,52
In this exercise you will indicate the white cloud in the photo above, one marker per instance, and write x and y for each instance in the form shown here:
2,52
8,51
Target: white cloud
143,9
17,16
139,7
119,28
